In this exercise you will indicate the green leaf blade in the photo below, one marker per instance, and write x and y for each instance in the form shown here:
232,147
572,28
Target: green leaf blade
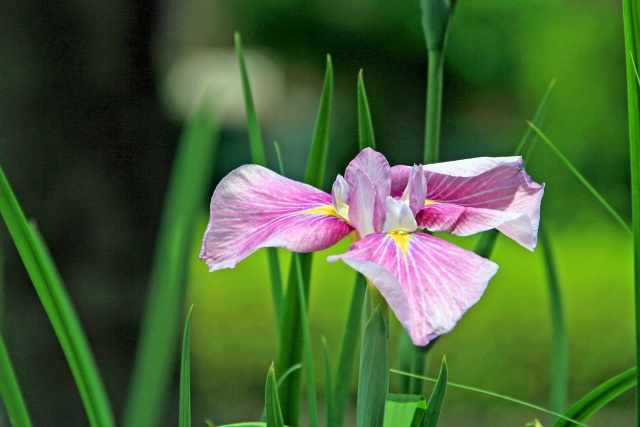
159,339
365,126
434,407
373,383
184,412
272,403
318,156
58,306
10,391
404,410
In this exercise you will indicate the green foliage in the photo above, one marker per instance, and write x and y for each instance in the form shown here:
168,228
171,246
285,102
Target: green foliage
365,126
157,347
184,416
404,410
272,404
631,14
10,391
374,371
599,397
56,302
434,407
346,362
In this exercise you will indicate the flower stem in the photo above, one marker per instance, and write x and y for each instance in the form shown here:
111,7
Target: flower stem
434,105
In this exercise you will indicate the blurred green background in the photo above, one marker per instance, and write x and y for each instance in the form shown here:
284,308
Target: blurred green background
92,99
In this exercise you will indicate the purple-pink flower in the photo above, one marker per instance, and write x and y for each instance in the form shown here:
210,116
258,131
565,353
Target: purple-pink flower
428,283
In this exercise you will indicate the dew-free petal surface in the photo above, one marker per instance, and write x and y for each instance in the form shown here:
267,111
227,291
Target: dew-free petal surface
428,282
254,207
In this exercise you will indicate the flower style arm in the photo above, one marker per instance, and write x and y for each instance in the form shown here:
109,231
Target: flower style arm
254,207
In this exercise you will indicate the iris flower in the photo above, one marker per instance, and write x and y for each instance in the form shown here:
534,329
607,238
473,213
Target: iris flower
428,283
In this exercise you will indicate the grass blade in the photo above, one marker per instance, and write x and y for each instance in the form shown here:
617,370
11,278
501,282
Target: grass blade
373,383
10,391
365,126
290,352
581,178
631,17
560,361
599,397
490,393
306,339
184,416
434,407
318,154
328,380
158,344
272,404
346,362
258,157
58,307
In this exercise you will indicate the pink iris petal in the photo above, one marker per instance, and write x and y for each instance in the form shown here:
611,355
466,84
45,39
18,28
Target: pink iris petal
376,167
253,207
428,282
464,190
365,214
416,190
340,195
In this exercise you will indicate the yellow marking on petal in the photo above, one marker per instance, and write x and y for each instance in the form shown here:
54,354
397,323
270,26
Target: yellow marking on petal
428,202
324,210
402,241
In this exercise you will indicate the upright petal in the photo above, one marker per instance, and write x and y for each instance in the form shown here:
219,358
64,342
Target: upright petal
253,207
376,167
365,212
416,191
428,282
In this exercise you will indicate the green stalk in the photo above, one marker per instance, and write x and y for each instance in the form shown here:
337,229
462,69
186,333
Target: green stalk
434,106
184,412
559,367
10,392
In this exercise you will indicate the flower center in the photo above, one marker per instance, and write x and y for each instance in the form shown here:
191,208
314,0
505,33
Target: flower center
399,217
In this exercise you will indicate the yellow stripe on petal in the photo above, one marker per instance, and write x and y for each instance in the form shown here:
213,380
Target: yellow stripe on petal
428,202
402,241
323,210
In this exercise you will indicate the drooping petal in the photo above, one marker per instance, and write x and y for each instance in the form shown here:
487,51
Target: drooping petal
416,191
459,193
376,167
428,282
365,214
253,207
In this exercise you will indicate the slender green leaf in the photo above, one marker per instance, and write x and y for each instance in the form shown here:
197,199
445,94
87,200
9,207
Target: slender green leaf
599,397
318,155
276,146
434,407
184,415
489,393
346,362
433,115
308,354
258,157
10,391
560,361
58,306
158,346
631,18
486,242
255,140
581,178
365,125
272,403
290,352
404,410
373,383
328,380
282,378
